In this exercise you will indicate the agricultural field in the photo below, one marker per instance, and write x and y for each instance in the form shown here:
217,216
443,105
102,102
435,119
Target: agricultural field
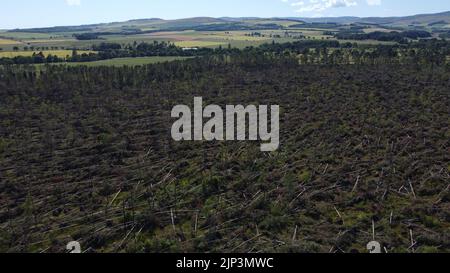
199,43
198,38
59,53
126,61
46,41
185,33
29,35
183,39
8,42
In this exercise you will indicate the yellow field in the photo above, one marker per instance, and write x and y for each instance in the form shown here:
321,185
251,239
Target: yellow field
8,42
59,53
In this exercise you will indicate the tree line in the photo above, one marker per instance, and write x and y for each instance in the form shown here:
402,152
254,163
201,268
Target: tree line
430,51
393,36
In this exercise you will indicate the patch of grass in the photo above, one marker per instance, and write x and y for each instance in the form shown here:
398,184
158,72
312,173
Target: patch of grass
29,35
49,41
26,35
429,249
305,176
128,61
430,222
199,43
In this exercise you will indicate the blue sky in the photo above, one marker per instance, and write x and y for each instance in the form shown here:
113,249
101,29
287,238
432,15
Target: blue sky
27,13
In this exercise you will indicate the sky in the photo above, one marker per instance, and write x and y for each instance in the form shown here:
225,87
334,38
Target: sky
46,13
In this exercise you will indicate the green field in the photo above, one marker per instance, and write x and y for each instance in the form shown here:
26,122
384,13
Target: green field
127,61
199,43
59,53
28,35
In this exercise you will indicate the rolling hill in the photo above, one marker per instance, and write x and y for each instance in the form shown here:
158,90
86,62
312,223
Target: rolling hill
244,23
422,19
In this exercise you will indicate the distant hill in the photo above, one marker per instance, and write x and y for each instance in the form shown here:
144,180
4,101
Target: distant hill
338,20
246,23
421,19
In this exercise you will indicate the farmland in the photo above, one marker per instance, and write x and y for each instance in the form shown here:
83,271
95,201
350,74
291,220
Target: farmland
193,32
59,53
187,39
127,61
8,42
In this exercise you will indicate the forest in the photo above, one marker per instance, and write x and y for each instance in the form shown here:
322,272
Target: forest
86,152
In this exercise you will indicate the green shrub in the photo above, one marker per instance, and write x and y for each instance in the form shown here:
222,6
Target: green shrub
305,176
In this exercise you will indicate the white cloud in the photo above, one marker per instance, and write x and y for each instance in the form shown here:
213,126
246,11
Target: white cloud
318,6
373,2
73,2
